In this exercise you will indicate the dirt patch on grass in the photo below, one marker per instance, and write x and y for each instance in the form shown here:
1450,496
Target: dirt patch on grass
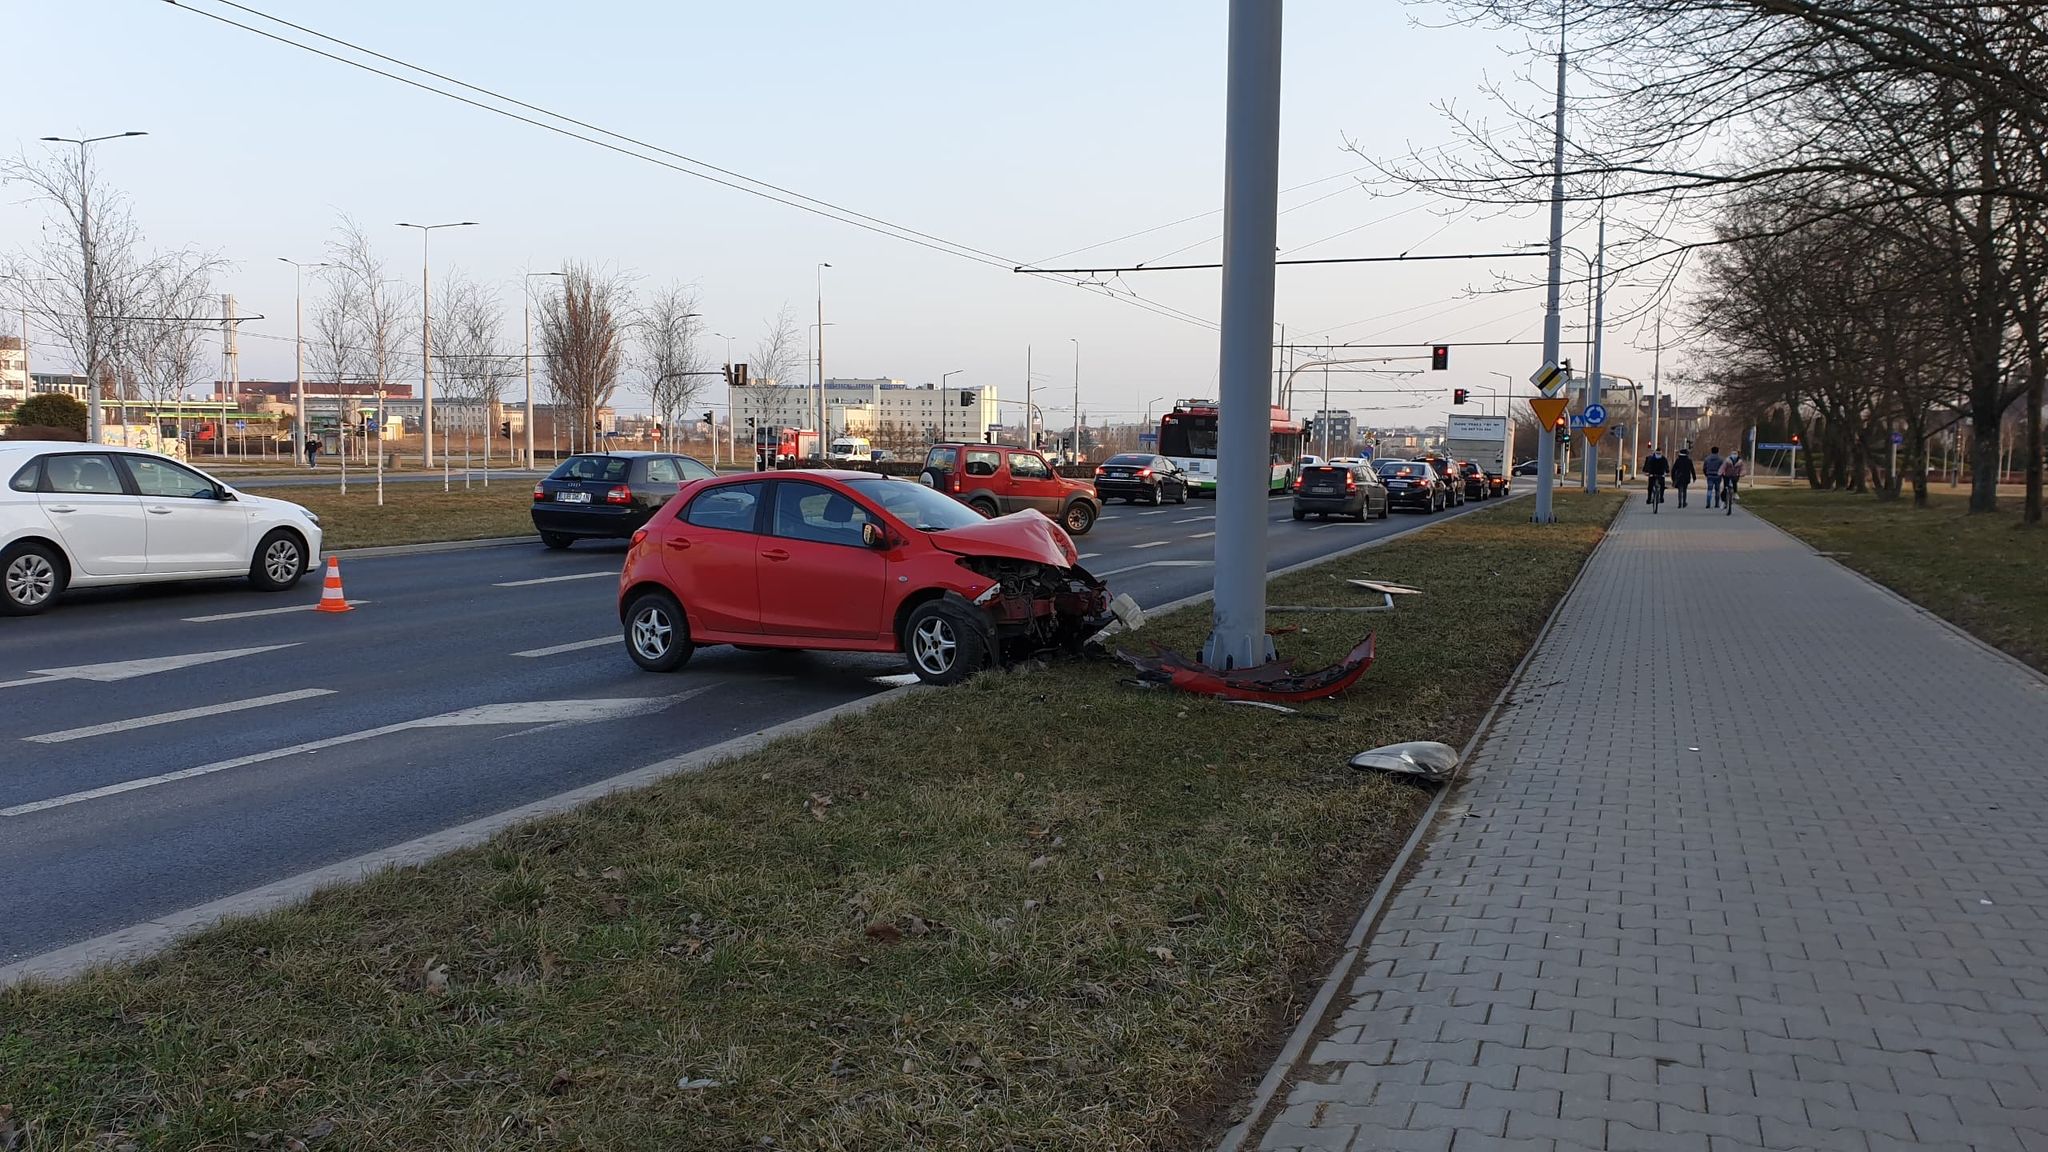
1041,910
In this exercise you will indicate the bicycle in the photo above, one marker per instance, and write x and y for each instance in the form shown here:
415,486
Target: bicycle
1728,495
1656,494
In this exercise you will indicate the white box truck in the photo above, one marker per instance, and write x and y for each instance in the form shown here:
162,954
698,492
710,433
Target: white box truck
1484,441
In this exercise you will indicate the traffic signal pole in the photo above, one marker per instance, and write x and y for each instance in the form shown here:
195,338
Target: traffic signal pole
1546,449
1251,191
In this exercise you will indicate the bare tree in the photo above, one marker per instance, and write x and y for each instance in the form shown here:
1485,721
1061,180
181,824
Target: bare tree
670,358
583,340
363,328
474,363
775,353
170,354
102,301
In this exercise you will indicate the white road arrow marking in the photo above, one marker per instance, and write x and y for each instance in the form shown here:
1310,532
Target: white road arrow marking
130,669
70,734
553,712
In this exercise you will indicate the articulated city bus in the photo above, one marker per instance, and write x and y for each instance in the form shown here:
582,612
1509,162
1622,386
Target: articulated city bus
1187,436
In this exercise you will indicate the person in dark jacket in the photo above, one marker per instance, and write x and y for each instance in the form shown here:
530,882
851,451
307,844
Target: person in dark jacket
1711,469
1655,467
1682,473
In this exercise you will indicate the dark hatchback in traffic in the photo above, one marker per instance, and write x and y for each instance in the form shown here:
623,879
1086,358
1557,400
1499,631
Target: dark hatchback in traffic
1352,490
1136,476
607,495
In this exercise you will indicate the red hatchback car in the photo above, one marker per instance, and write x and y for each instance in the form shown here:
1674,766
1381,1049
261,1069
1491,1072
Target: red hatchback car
853,562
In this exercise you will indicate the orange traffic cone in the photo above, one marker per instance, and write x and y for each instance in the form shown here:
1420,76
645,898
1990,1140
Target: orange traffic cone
331,599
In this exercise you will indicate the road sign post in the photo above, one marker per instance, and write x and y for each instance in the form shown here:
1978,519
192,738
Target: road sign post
1549,380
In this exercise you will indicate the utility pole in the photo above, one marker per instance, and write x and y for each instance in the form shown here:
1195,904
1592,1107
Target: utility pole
1030,439
821,357
1657,384
1077,395
299,347
90,266
1546,438
1593,393
526,283
1251,165
427,347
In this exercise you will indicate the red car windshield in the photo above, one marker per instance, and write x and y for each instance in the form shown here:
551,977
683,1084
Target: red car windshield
916,505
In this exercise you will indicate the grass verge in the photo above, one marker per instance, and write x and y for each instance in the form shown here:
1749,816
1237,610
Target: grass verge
1983,573
414,512
1044,910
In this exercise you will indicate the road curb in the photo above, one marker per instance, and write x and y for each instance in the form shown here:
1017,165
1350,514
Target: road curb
1318,1011
140,940
430,547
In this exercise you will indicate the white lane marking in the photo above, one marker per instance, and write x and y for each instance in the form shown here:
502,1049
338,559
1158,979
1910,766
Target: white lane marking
1194,520
553,579
1201,535
577,646
130,669
181,714
1156,512
531,712
1087,555
253,613
1159,564
1151,544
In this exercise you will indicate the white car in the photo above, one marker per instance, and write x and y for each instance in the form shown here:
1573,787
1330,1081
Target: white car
92,515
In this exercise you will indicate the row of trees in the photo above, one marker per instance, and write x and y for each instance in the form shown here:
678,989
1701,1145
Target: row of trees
145,322
1864,182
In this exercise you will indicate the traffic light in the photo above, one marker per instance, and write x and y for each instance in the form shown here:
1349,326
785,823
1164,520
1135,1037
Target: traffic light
1458,395
742,370
505,429
709,422
1562,430
966,399
1795,437
1440,357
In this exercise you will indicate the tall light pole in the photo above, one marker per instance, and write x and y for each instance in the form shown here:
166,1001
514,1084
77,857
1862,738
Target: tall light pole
1251,192
1077,382
732,411
944,408
299,344
524,282
90,265
427,342
1552,322
1593,396
821,357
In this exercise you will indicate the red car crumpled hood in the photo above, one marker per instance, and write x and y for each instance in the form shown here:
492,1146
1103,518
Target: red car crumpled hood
1019,536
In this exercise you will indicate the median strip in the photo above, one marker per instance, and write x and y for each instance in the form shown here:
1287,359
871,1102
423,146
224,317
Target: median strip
1042,909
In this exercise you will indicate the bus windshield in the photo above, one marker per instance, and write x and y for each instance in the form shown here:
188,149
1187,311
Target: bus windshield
1189,437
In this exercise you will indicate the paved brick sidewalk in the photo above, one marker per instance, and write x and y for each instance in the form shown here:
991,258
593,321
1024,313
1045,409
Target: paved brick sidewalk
1754,858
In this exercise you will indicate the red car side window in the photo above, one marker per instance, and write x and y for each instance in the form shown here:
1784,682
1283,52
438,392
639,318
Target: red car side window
730,507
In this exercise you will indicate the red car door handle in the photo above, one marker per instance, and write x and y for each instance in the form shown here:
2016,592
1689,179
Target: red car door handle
678,543
774,554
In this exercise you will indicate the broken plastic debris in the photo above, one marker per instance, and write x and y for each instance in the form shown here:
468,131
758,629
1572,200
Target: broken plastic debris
1277,681
1422,759
1384,587
1265,705
689,1085
1125,615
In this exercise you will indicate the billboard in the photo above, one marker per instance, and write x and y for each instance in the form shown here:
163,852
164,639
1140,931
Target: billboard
1478,428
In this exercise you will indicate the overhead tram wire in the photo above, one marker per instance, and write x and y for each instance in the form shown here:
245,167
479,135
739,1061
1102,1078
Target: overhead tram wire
639,150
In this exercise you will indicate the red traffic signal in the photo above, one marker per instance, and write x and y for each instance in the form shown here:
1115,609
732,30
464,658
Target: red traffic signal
1440,357
1795,437
1459,395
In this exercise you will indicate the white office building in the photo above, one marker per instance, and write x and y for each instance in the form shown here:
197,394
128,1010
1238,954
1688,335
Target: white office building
13,370
873,406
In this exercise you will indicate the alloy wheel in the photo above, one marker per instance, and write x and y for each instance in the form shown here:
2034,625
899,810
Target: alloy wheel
653,632
30,580
281,561
933,646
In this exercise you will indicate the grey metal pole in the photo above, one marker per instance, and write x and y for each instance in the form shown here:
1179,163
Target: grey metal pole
1030,440
1075,458
527,320
427,363
1251,166
298,355
821,357
1657,385
1592,481
1546,438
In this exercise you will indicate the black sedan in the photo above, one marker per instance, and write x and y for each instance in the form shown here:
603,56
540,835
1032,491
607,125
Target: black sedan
1473,478
1414,484
607,495
1136,476
1352,490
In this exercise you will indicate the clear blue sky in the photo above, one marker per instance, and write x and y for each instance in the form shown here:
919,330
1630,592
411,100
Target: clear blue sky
1025,130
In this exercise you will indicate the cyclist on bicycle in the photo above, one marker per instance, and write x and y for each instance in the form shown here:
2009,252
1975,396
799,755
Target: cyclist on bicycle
1655,468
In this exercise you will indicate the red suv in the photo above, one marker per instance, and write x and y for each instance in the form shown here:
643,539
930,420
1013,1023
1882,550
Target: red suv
994,479
852,562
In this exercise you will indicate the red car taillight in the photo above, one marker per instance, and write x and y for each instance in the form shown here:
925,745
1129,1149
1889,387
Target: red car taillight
639,534
539,493
1099,471
953,478
1350,482
1141,471
619,495
1297,483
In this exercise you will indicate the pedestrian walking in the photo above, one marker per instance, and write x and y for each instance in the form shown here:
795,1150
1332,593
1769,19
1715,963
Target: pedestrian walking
1711,469
1682,473
312,452
1731,475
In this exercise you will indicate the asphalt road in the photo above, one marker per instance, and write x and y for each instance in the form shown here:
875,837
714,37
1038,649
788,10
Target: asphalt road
172,745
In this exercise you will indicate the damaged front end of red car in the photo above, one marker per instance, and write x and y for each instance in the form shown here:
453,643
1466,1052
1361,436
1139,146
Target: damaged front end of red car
1037,607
